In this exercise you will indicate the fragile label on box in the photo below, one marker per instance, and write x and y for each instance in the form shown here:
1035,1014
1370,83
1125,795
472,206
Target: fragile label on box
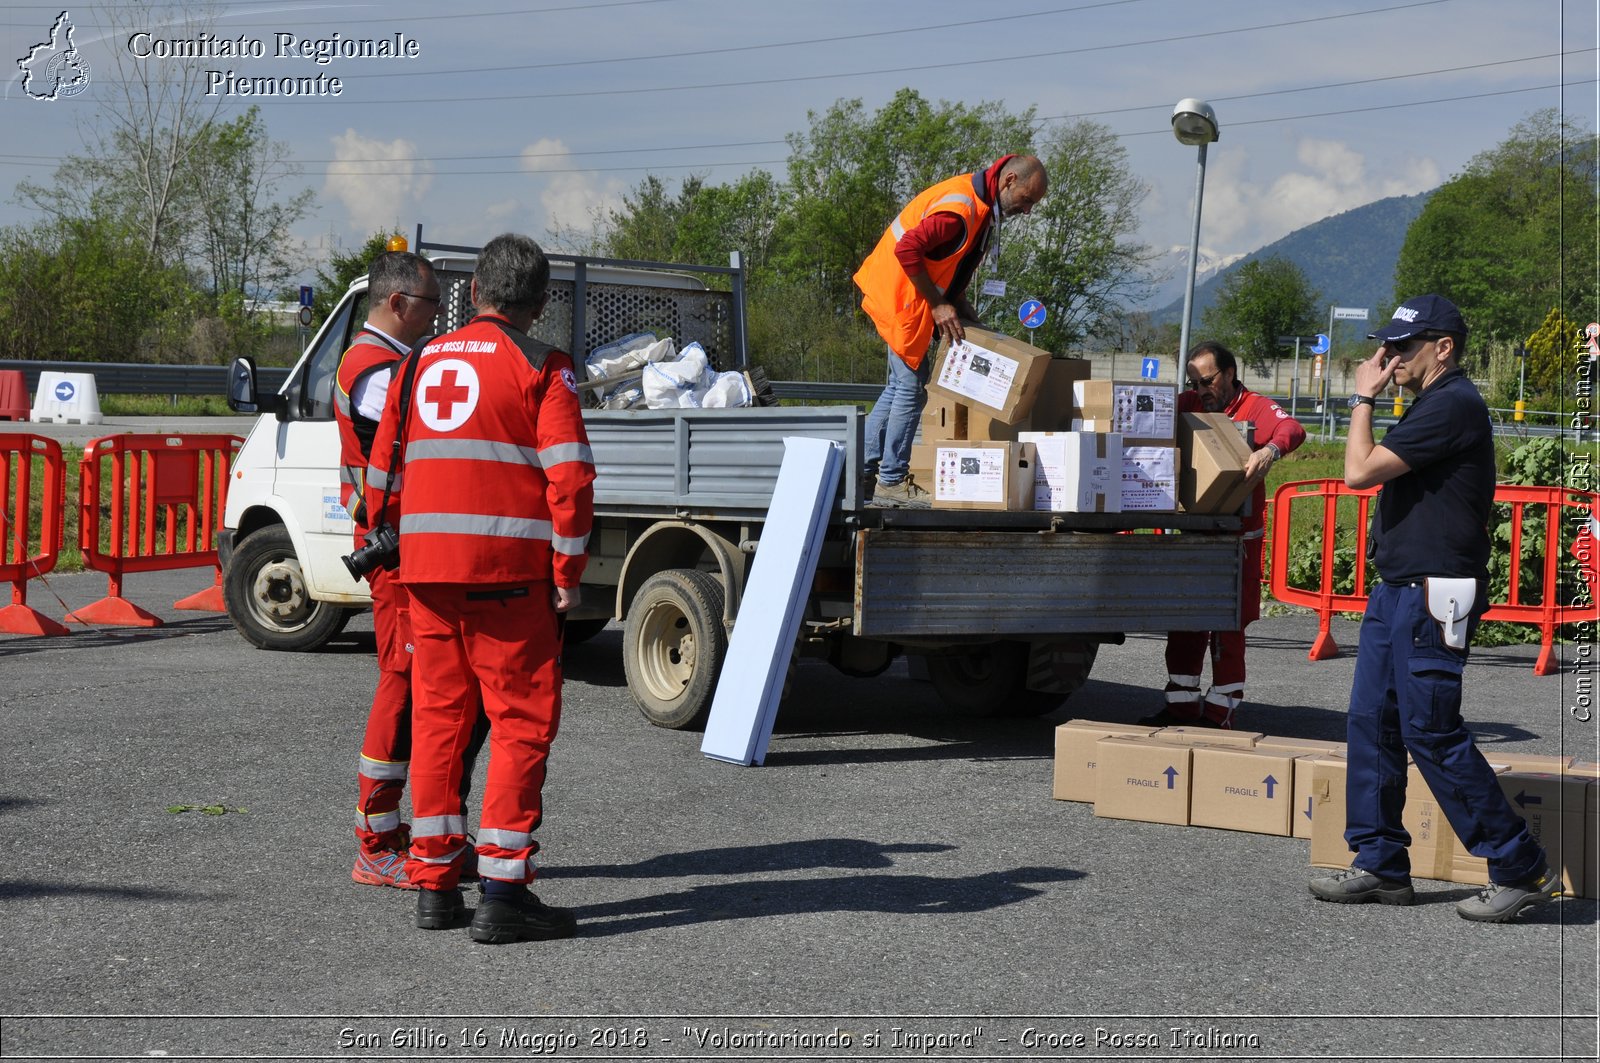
982,375
1149,479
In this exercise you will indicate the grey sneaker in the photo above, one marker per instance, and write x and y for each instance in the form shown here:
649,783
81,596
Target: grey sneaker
1500,904
906,494
1355,886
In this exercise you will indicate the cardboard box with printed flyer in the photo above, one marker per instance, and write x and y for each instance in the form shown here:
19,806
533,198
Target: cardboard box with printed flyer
992,373
1076,472
984,474
1143,412
1149,479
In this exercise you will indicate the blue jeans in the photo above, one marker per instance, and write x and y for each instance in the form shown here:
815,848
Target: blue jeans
1407,696
892,424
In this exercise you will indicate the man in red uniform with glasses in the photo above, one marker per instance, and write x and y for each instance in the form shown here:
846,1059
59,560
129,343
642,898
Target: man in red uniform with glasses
1214,387
483,445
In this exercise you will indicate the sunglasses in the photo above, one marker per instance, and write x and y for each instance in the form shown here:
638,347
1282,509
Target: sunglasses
1203,382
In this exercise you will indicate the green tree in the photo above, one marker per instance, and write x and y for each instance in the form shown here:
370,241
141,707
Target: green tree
1551,350
1512,235
334,278
699,225
1258,302
1075,251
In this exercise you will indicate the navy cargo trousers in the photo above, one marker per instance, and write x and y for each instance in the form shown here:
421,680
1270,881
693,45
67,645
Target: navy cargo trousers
1407,696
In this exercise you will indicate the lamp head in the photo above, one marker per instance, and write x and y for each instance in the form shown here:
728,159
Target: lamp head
1194,122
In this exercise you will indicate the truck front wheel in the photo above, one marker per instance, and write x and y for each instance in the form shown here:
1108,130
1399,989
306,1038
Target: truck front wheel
991,680
265,593
673,645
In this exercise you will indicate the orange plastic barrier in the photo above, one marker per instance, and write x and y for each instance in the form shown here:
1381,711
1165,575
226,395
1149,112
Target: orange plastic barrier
1550,612
18,534
165,497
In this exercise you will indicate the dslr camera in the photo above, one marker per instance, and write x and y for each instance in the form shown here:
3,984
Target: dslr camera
380,549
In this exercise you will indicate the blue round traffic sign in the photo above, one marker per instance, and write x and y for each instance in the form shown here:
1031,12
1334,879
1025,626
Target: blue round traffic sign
1031,313
1321,344
65,390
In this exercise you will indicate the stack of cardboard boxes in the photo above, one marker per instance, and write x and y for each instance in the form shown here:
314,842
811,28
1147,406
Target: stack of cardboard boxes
1241,780
1009,427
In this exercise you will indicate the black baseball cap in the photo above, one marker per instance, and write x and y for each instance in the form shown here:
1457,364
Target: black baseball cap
1425,313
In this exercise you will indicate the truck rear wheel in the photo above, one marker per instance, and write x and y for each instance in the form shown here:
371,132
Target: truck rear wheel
265,594
577,631
991,680
673,645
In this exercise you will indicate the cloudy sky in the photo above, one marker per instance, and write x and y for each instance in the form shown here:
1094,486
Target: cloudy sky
528,115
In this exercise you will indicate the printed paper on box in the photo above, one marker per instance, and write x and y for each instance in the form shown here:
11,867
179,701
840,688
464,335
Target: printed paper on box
970,474
1149,479
982,375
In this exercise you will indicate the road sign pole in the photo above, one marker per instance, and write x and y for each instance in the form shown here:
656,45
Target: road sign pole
1294,383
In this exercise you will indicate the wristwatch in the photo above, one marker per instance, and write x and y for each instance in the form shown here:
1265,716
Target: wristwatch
1363,400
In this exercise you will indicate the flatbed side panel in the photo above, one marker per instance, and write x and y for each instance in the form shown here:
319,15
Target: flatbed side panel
911,583
709,463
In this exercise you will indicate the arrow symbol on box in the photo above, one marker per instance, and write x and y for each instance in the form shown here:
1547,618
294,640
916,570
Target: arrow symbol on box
1271,782
1308,808
1171,773
1524,800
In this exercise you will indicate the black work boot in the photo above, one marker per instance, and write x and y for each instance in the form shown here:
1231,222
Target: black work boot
440,909
501,919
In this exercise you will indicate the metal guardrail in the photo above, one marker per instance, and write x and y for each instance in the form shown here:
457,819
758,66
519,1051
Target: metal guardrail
126,378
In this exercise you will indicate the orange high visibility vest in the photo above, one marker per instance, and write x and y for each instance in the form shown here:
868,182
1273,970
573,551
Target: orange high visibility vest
903,317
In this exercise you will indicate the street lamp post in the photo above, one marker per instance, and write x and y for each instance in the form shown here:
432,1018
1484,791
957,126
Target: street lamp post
1193,122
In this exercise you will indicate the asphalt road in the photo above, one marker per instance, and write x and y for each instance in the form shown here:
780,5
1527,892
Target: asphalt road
895,882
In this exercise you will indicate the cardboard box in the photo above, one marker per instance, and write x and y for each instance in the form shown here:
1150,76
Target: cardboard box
1211,477
1434,850
992,373
1299,747
1304,805
1076,755
1328,777
1143,779
920,464
943,419
1143,412
1149,479
1076,472
1542,762
1190,735
1051,411
1241,789
1553,806
983,475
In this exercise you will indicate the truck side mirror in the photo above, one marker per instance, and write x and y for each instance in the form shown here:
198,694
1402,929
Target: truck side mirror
242,396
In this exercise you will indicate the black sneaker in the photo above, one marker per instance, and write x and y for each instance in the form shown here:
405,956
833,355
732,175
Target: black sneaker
521,917
440,909
1355,886
1500,904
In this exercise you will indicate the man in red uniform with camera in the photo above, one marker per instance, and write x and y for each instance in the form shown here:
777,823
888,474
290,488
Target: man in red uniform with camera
483,446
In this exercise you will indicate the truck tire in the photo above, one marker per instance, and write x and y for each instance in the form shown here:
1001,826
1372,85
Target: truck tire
265,594
673,645
991,680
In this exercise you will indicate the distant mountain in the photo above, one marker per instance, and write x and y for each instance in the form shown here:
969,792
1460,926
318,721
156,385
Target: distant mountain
1349,258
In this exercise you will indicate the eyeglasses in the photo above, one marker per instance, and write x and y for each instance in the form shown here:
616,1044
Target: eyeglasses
1403,347
1203,382
434,299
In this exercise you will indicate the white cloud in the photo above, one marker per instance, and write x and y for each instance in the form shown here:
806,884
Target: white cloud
569,200
1328,178
378,182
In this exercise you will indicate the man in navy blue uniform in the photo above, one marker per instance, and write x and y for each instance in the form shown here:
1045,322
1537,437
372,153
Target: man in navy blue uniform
1429,542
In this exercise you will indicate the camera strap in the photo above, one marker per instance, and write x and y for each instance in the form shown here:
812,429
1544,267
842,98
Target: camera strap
408,377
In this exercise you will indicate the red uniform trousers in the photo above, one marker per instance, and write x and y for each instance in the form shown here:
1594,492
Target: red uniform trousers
1186,654
386,748
470,643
